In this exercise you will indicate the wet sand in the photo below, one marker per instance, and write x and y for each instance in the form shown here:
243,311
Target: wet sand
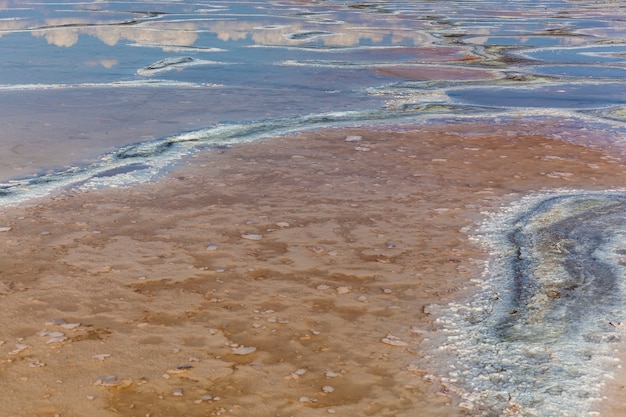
311,249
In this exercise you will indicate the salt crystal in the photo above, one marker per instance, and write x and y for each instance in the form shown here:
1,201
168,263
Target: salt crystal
107,380
56,339
19,347
212,246
353,138
331,374
393,341
327,389
177,392
362,299
70,326
101,356
300,372
322,287
429,378
417,330
559,174
361,149
5,229
304,399
243,350
282,224
466,405
252,236
343,290
51,334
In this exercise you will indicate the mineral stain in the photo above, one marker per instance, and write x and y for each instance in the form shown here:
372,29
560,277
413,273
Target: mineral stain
537,340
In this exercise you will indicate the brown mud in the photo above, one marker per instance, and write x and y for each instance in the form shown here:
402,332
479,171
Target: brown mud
311,249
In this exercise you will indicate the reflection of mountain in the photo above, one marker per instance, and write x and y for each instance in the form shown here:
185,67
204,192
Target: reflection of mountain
158,33
340,34
161,29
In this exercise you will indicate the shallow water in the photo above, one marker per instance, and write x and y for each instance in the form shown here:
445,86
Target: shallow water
99,94
81,79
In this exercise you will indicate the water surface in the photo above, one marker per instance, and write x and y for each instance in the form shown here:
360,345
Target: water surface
79,80
96,94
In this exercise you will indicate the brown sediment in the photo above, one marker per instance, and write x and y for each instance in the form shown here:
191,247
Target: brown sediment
345,244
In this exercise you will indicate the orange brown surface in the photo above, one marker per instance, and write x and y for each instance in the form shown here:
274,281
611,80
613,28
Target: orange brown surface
310,249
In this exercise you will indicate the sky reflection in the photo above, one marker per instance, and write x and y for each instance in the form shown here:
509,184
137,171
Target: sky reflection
258,59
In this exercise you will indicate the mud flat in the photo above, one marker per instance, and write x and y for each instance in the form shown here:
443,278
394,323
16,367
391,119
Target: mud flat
306,275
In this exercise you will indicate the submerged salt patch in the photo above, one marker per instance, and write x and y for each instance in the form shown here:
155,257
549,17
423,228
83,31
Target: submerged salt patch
101,356
55,337
112,381
393,341
243,350
19,347
341,290
106,380
252,236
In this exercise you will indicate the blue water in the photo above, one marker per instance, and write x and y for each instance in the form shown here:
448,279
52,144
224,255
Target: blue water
80,80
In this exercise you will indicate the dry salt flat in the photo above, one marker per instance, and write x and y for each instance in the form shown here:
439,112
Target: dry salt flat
292,276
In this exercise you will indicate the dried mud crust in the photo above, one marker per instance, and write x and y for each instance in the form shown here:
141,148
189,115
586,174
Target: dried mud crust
351,239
